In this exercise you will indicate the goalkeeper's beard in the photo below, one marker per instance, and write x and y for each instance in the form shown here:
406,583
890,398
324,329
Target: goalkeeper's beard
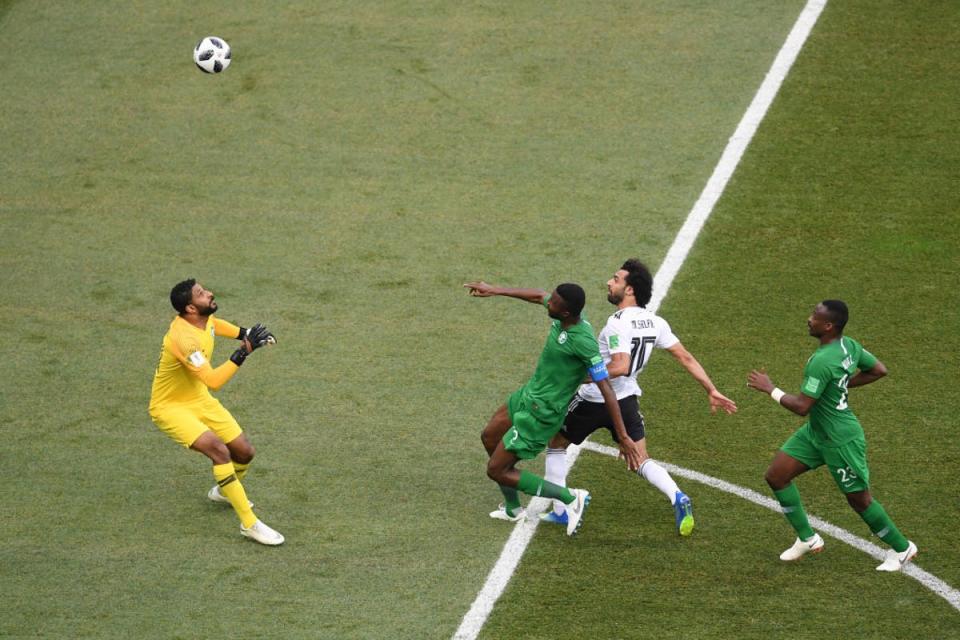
207,311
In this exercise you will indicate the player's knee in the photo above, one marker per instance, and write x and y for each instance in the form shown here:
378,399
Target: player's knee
213,447
774,478
218,453
243,454
495,472
859,501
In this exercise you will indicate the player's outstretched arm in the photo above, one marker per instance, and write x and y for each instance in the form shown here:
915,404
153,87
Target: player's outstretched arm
481,289
878,371
695,369
798,404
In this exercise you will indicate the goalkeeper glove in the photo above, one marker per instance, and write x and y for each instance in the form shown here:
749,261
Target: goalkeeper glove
257,336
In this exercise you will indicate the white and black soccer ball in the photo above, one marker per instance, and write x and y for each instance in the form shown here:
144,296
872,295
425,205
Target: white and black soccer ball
212,54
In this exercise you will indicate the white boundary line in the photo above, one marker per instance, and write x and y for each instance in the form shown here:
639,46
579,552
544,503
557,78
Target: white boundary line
516,545
928,580
736,146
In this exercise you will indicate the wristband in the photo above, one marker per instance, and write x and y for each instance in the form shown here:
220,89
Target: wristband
238,356
243,333
776,394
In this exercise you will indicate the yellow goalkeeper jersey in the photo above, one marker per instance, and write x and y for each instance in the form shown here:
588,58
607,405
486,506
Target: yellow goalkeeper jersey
184,373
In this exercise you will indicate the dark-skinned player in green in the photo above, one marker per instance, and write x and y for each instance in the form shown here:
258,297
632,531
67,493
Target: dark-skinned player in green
832,435
521,429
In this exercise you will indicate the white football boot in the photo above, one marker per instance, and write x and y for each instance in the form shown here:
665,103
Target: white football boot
897,561
802,547
262,534
576,509
501,514
216,496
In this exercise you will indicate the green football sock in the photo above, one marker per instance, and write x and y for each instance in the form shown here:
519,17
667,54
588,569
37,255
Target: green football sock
534,485
789,499
882,526
511,500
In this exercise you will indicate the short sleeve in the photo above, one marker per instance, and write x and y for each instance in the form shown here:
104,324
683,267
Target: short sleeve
588,351
617,336
816,375
665,337
867,361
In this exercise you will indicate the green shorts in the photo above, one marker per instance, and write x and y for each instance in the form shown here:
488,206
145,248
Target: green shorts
847,462
532,426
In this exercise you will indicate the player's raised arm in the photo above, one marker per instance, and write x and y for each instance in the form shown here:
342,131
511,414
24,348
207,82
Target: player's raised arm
799,404
695,369
481,289
212,378
227,329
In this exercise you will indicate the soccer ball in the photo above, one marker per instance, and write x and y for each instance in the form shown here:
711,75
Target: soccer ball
212,54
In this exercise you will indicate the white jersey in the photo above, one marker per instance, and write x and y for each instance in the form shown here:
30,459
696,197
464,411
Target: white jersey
634,331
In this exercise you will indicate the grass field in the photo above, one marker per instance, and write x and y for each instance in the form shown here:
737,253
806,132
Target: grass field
354,166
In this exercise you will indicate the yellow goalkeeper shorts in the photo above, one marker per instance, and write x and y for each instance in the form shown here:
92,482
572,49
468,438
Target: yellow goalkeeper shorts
187,422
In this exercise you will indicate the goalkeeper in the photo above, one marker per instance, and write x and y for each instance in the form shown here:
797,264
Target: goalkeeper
181,404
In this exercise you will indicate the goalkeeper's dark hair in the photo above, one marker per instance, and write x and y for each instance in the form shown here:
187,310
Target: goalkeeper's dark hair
838,313
639,278
182,294
573,297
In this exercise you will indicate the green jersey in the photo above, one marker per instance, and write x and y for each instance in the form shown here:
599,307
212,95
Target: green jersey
825,379
568,356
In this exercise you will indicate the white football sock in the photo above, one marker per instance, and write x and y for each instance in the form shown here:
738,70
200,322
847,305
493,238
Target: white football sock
556,472
658,477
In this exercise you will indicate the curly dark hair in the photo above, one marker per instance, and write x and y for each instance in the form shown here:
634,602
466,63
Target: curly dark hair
639,278
182,294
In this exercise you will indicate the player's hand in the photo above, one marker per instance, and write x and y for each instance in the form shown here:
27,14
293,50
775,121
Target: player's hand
632,452
720,401
760,381
480,289
257,336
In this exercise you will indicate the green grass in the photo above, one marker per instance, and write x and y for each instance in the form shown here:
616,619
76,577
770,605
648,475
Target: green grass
339,182
845,192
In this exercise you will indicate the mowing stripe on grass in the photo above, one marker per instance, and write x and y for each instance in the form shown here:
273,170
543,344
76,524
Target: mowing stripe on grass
734,151
523,532
928,580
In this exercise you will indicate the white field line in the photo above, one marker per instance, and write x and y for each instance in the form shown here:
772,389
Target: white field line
928,580
516,545
736,146
509,559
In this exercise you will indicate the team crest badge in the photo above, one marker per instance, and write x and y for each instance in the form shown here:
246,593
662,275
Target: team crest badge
562,337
